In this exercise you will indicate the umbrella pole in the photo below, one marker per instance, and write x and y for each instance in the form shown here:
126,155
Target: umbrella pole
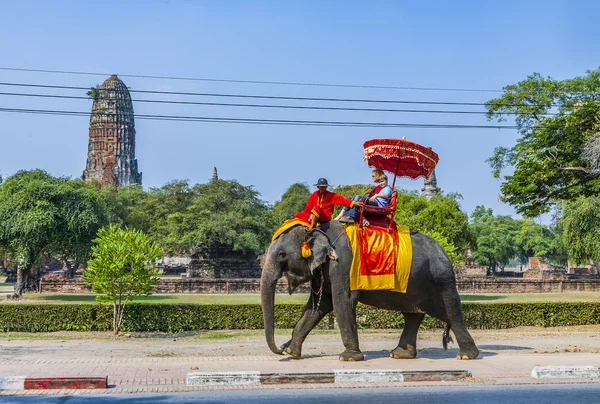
395,174
393,188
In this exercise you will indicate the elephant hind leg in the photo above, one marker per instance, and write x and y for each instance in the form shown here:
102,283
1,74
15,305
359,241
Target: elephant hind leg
407,346
454,318
467,347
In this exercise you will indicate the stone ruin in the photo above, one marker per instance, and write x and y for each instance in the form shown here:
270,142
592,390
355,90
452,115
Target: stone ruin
111,146
539,268
223,268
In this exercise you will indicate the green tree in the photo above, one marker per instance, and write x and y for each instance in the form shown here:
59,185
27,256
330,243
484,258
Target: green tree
43,216
580,222
83,215
222,217
536,240
495,237
161,207
128,206
120,270
350,191
292,201
501,239
441,215
557,157
455,257
94,92
559,245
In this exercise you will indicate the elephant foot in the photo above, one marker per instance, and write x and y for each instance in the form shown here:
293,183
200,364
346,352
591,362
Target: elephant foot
284,346
466,354
400,353
294,353
351,356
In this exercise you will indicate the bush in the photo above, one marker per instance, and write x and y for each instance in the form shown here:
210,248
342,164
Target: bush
54,317
193,317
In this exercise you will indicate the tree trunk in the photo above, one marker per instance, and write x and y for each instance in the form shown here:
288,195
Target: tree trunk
71,269
67,267
34,278
115,318
118,314
74,269
22,278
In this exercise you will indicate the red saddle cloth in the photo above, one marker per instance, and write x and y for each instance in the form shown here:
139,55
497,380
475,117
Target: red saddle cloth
381,258
378,250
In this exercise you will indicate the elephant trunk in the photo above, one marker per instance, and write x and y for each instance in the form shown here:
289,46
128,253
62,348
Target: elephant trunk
268,281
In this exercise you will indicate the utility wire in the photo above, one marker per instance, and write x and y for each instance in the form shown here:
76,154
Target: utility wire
271,97
281,83
262,121
310,107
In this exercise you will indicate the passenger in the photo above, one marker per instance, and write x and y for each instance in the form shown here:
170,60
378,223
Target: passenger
379,196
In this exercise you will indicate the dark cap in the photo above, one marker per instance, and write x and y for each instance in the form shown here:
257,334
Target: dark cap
322,182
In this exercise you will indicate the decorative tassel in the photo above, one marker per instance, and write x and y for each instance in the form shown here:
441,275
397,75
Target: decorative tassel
306,251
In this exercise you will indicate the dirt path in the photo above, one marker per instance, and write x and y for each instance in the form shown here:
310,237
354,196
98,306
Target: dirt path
73,345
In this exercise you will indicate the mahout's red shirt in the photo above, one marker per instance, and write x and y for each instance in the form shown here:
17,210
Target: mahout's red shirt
321,205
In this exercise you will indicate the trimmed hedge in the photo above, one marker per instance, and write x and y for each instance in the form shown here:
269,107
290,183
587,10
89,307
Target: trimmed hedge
192,317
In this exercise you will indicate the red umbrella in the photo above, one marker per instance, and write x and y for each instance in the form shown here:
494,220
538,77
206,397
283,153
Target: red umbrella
400,157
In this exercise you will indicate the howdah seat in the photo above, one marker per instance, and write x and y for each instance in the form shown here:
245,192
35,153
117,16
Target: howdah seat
379,216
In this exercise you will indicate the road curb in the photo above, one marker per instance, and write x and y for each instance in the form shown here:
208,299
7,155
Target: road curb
565,372
46,383
334,376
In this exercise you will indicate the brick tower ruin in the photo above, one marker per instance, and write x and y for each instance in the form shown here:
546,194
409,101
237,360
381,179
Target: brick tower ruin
111,146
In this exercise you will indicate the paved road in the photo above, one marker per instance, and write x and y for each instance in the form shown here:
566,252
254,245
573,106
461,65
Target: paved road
547,394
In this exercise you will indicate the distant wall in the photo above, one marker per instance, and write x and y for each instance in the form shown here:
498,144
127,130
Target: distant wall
196,285
518,285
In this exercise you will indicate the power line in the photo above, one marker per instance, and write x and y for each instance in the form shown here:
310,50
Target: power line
311,107
270,97
263,121
281,83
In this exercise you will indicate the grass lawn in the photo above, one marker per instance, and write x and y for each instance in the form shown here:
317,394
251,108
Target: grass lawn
168,298
6,287
302,298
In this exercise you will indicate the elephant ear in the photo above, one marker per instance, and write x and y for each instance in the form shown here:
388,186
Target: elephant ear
321,250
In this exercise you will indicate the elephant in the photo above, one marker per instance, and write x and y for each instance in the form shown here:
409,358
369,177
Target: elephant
431,290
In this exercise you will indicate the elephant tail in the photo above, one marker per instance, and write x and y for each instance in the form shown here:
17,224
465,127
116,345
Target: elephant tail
446,337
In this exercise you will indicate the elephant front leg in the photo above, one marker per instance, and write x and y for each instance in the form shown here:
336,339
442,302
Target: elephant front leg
304,326
345,313
407,347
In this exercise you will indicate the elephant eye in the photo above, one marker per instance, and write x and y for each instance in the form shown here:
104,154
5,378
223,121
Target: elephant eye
282,255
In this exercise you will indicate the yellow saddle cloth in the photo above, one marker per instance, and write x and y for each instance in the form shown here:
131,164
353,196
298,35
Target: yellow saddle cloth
381,260
288,224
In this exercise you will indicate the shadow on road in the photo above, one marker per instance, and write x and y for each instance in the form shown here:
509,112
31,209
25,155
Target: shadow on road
428,353
496,347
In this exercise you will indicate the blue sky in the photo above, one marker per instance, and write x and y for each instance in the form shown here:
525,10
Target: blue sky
460,44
